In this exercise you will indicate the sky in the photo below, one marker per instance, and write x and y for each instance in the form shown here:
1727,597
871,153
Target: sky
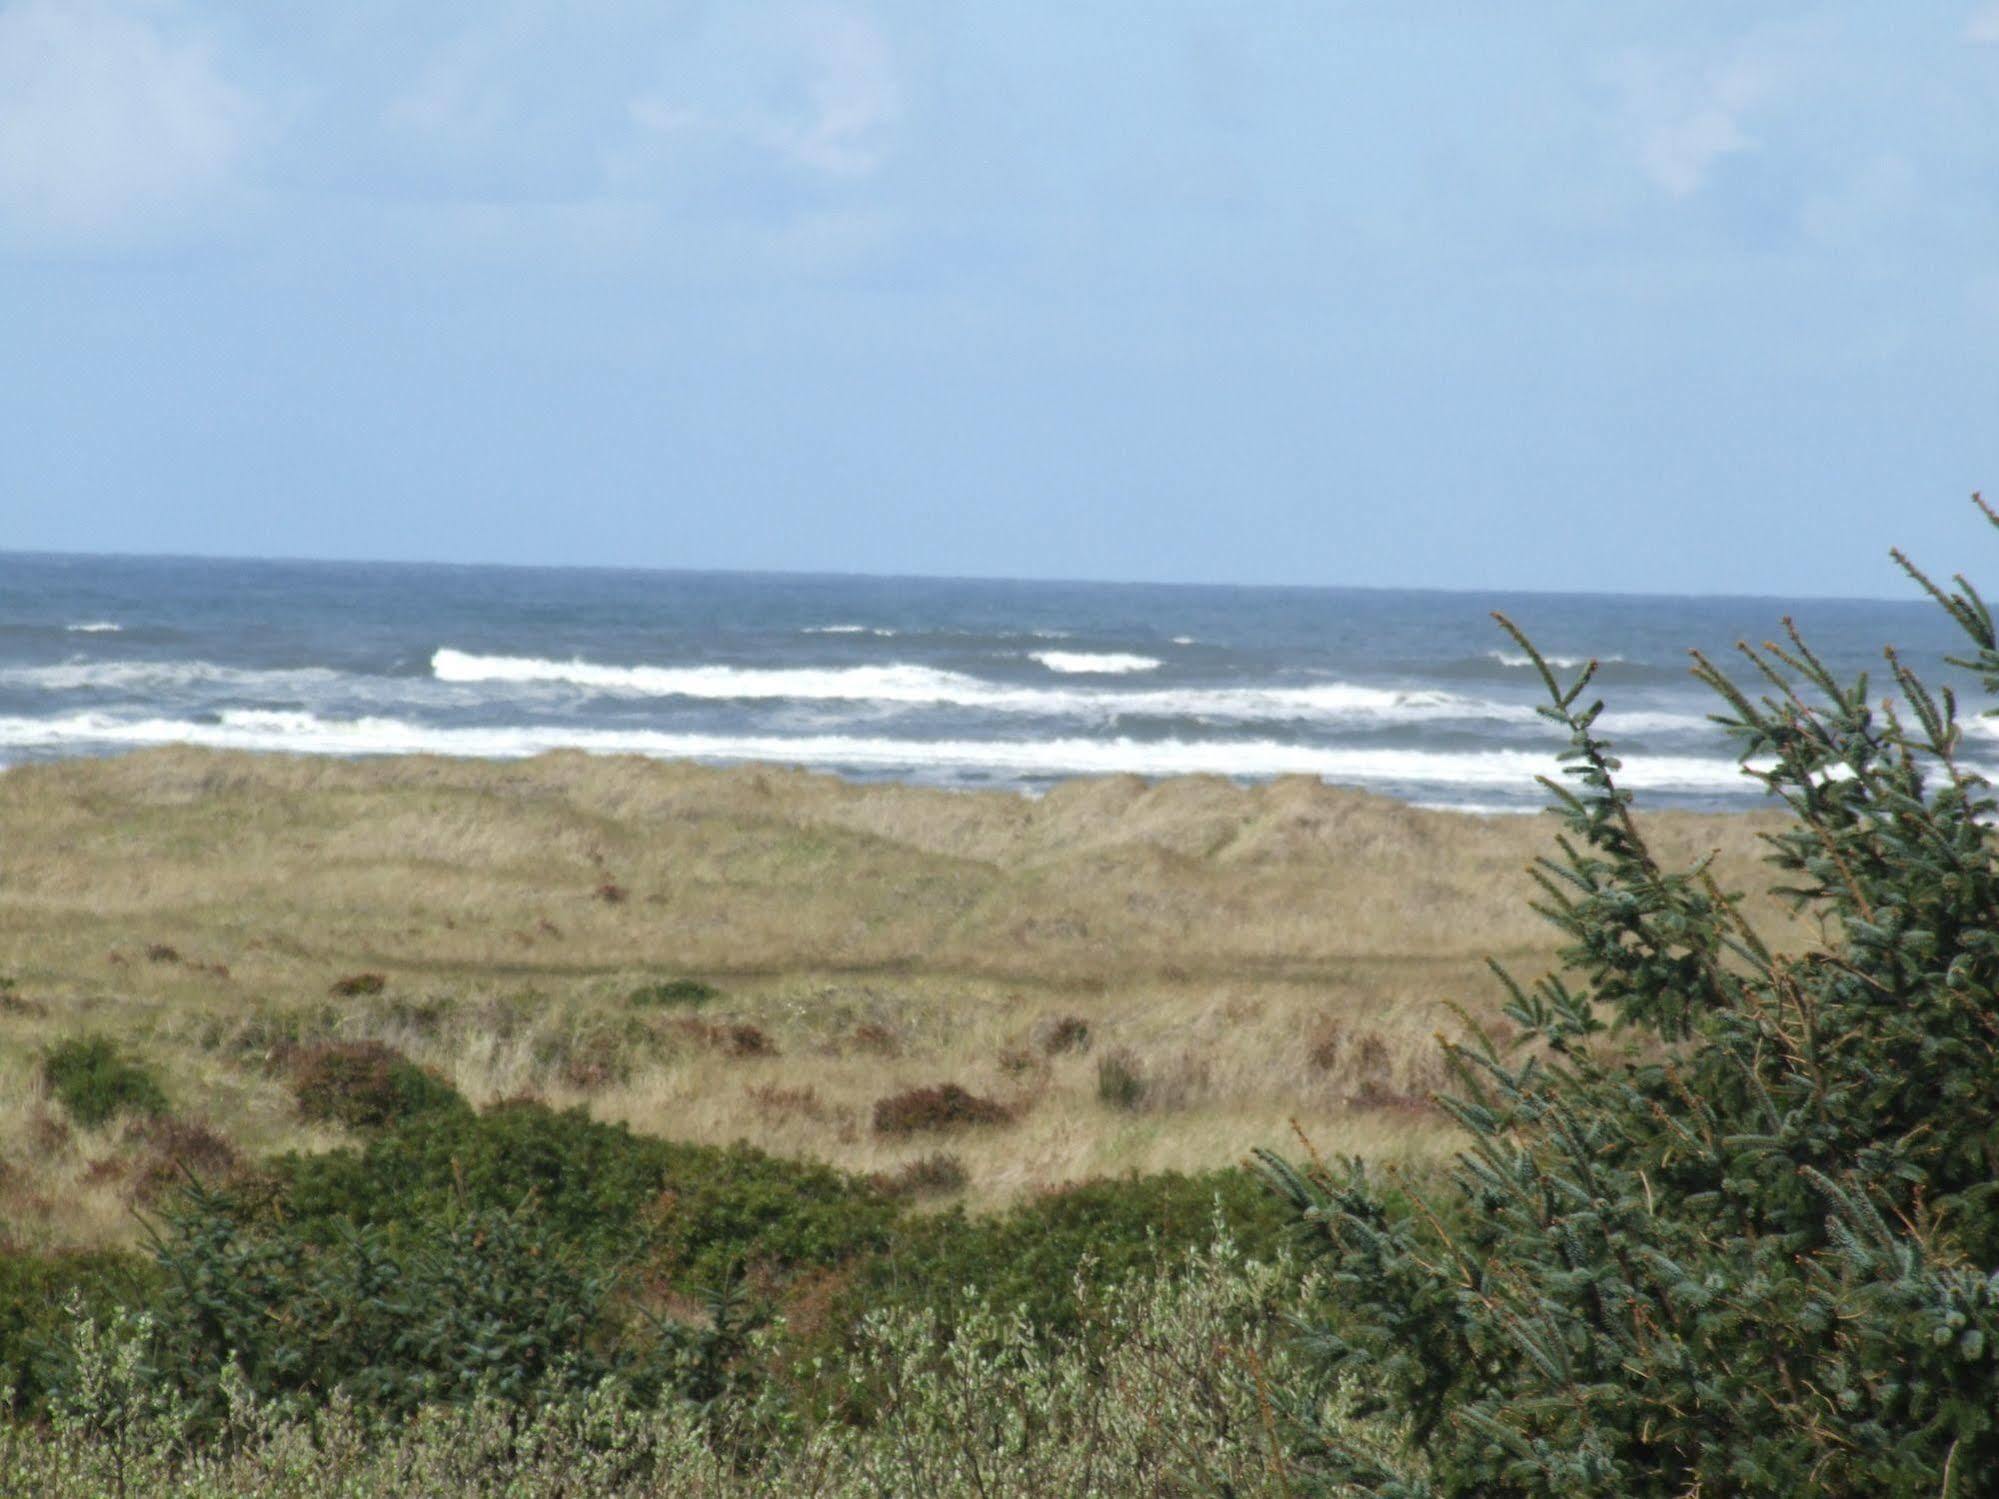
1663,297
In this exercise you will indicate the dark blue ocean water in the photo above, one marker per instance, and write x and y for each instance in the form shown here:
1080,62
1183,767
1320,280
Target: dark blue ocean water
956,683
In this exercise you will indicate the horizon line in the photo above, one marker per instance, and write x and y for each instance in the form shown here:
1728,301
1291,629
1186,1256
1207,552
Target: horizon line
941,577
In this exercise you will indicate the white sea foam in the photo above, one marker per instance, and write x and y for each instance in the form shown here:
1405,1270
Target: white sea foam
1183,639
847,630
1560,663
1101,663
1458,771
910,684
94,627
155,676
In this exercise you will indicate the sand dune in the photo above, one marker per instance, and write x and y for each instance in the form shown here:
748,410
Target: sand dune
1258,953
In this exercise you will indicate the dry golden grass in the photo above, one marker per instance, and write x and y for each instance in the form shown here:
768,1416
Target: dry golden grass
1258,954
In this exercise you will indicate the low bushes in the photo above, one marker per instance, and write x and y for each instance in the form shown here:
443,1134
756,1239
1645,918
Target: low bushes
95,1084
673,994
358,986
688,1212
1055,1034
524,1251
1029,1256
735,1038
945,1106
177,1149
1170,1397
365,1085
37,1292
1120,1083
939,1174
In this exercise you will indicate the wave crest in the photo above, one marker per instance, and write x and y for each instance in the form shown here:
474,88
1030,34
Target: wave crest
1102,663
924,685
251,729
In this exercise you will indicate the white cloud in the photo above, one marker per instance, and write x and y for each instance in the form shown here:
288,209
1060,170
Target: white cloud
105,118
1686,118
1983,26
827,95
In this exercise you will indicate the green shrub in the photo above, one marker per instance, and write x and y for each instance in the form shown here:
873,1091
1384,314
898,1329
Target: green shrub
36,1294
95,1084
1120,1083
479,1301
673,994
1747,1246
690,1211
366,1085
939,1174
1028,1256
1170,1397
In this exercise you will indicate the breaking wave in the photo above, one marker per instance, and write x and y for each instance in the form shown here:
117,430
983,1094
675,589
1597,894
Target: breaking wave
252,729
907,684
1103,663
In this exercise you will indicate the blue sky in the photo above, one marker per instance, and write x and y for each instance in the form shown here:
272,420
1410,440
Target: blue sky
1672,297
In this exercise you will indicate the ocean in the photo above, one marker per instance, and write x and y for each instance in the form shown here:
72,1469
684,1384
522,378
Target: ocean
959,683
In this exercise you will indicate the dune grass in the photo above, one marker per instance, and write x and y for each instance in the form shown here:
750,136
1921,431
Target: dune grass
750,953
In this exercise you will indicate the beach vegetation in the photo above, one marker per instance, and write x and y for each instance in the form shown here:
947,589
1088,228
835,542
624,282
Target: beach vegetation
1727,1219
1120,1082
365,1085
667,994
937,1108
95,1082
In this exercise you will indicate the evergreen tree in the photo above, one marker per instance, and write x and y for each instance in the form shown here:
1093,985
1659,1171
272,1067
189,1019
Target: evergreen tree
1726,1223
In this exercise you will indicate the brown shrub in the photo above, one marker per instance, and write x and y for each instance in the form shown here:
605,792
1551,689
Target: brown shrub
177,1149
1326,1045
945,1106
593,1057
1017,1062
159,952
364,1084
734,1038
611,893
1056,1034
49,1131
358,985
1370,1065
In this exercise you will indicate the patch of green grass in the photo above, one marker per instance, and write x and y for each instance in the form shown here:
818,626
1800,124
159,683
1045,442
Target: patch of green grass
674,994
95,1084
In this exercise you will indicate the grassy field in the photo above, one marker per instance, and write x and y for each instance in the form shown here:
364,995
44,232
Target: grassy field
1246,956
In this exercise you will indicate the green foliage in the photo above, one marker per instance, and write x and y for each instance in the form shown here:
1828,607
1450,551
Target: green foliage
37,1295
689,1211
480,1301
1166,1398
1028,1258
673,994
1728,1219
366,1085
95,1084
1120,1084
